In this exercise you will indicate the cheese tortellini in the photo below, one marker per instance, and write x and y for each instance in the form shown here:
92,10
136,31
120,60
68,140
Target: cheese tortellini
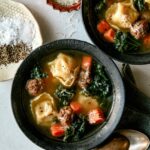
121,15
147,1
43,109
65,68
87,102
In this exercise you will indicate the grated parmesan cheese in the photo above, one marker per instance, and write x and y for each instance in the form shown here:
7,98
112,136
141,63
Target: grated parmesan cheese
67,2
15,30
17,24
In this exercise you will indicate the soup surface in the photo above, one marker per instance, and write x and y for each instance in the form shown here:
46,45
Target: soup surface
69,95
125,24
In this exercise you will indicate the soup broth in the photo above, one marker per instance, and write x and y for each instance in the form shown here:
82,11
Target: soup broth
69,95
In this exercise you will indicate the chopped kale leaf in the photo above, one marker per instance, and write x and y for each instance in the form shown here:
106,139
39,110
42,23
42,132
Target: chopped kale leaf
101,84
36,73
139,4
125,42
99,6
64,95
77,129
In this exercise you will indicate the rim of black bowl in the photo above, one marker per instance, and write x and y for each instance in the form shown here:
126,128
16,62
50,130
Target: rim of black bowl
135,58
101,133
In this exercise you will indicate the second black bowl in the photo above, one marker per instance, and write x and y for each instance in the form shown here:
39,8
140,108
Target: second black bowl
90,22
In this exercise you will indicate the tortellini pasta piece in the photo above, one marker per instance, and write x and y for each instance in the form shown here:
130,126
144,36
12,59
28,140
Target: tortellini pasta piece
121,15
87,102
65,68
147,1
43,109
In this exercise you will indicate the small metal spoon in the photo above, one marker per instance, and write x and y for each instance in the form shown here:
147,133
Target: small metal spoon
130,140
137,140
115,142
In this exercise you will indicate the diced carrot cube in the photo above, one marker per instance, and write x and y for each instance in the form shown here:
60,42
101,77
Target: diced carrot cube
103,26
109,35
86,62
57,130
75,106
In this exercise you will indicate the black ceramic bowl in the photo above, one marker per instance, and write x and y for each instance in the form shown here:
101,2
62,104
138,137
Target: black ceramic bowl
18,95
90,22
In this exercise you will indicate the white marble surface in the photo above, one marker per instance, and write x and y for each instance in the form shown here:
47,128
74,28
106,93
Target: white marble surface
54,25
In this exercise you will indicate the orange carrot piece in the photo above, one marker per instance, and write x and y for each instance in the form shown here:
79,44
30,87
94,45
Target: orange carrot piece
86,62
103,26
75,106
109,35
57,130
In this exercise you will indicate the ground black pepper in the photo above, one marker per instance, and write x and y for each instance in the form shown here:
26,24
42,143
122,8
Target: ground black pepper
13,53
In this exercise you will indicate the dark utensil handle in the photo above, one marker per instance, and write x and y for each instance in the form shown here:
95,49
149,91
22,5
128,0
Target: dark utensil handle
137,108
134,97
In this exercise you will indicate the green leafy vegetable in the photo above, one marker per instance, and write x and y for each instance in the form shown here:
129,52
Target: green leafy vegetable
125,42
139,4
77,129
99,6
101,84
64,95
36,73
